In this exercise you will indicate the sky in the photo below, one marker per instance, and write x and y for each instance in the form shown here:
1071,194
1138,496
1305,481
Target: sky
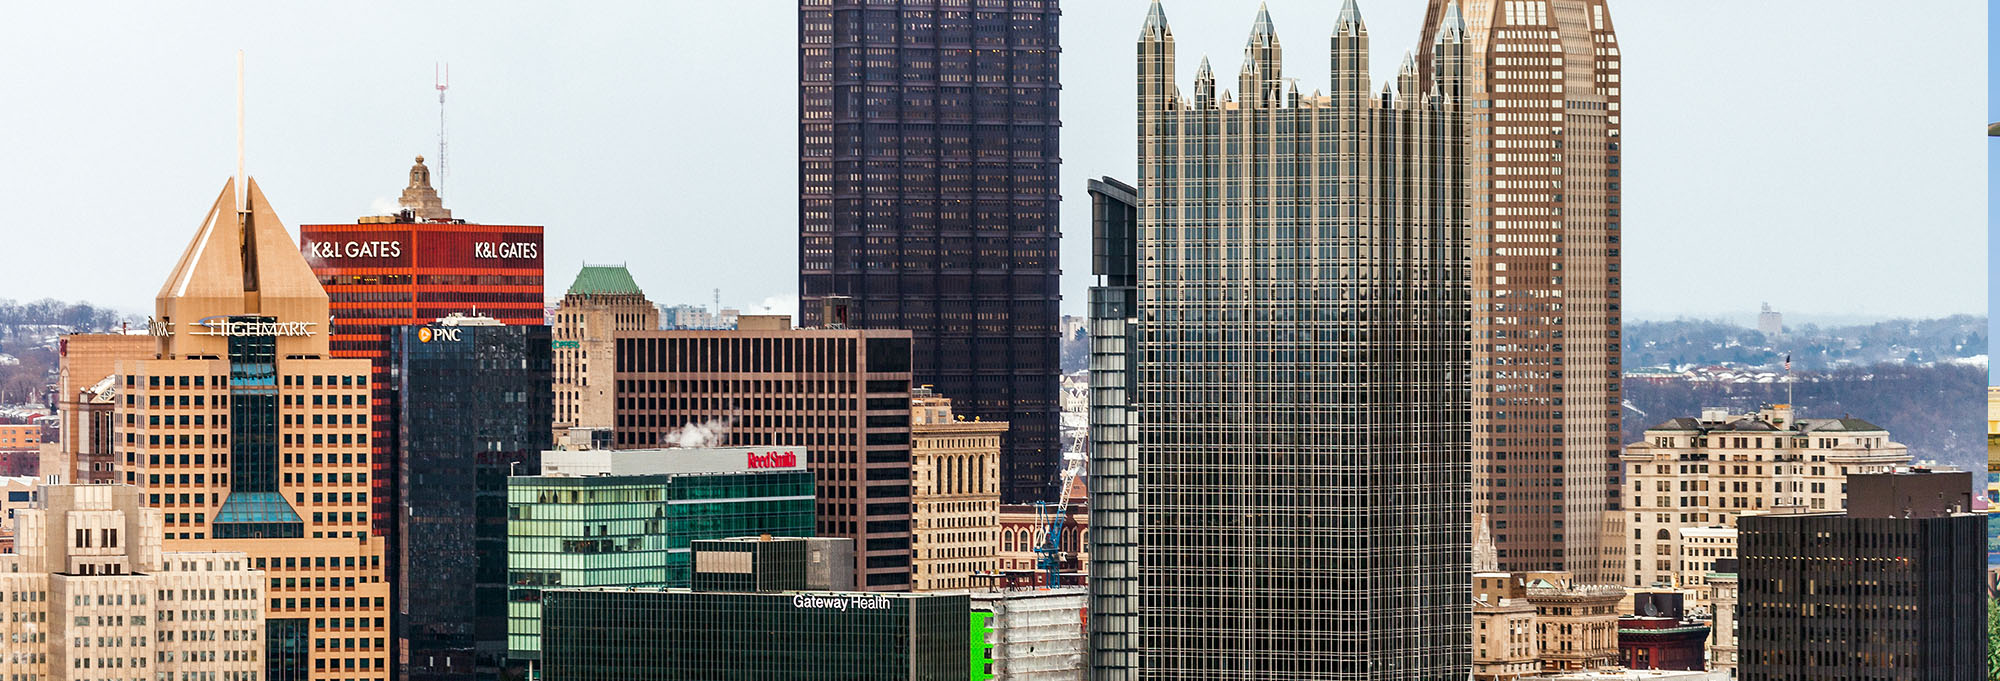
1818,155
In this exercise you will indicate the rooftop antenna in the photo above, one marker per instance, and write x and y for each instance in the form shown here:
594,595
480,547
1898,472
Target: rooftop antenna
244,235
242,193
718,304
442,77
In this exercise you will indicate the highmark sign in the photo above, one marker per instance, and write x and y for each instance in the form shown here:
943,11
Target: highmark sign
222,325
841,602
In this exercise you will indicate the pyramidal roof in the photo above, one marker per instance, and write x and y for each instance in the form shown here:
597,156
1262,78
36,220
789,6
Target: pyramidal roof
241,264
214,263
604,280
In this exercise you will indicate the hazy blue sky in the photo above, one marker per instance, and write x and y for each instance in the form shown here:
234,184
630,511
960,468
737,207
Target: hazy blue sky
1817,154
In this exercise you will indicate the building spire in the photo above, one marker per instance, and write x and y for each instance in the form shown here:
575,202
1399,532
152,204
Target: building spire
1350,20
420,199
1453,25
1156,21
1205,72
1262,33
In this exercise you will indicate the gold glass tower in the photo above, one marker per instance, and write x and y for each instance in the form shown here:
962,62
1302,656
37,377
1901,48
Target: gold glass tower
248,437
1541,87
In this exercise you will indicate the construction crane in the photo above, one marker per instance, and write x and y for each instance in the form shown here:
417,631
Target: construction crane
1054,515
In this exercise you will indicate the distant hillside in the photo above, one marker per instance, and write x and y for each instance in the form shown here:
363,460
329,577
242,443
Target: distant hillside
1813,348
1939,411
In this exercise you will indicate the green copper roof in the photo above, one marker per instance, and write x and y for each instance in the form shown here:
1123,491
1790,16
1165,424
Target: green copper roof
603,280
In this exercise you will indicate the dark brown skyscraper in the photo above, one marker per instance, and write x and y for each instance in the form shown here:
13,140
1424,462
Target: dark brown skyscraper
1542,83
927,178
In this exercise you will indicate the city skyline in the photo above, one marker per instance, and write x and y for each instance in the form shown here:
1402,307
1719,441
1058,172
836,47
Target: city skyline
544,132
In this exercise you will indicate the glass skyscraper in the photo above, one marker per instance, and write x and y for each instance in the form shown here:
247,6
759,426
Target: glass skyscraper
634,530
927,176
1303,360
472,399
1543,76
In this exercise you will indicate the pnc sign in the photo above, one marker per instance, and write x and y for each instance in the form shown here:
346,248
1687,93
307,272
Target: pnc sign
447,334
773,460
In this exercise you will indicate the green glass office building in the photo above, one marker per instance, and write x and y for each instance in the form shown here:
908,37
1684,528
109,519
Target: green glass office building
662,635
618,530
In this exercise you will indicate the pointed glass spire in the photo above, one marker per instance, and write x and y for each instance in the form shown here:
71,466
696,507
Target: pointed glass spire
1453,25
1156,20
1204,72
1262,32
1409,63
1350,18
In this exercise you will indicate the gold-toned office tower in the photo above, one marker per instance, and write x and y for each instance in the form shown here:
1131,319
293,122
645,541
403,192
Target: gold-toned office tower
1302,357
1541,91
248,437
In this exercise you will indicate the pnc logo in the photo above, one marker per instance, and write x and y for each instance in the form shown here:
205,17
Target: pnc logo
427,334
774,460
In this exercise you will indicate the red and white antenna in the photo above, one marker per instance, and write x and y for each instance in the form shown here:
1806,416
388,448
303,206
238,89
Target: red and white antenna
442,76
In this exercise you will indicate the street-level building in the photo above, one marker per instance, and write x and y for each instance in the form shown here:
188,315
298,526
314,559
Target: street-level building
600,303
1700,472
629,518
753,617
1659,634
954,492
249,436
1029,634
415,266
841,394
86,390
89,595
1503,628
1889,590
1722,597
1304,367
472,397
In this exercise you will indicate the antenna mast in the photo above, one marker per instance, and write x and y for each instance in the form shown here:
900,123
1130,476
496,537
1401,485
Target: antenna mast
242,192
442,77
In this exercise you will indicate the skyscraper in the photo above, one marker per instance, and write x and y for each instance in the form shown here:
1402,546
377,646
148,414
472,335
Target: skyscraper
82,592
1114,432
841,394
928,166
250,438
473,403
1542,82
1303,367
1889,590
415,267
602,301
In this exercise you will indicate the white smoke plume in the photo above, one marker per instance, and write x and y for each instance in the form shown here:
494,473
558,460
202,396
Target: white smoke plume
710,433
385,206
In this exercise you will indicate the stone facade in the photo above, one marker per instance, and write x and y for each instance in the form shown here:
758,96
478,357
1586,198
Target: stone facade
90,595
955,494
602,302
1706,472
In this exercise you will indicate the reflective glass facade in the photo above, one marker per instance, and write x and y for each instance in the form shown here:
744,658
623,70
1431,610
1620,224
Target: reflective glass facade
632,531
384,273
254,508
1543,81
1303,368
619,635
928,167
473,403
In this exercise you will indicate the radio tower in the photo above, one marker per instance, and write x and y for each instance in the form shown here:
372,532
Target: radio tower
441,76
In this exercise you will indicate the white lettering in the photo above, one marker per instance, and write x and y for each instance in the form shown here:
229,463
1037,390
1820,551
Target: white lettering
355,249
506,250
840,602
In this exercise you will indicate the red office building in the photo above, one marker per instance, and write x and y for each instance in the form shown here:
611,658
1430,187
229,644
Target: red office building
415,267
